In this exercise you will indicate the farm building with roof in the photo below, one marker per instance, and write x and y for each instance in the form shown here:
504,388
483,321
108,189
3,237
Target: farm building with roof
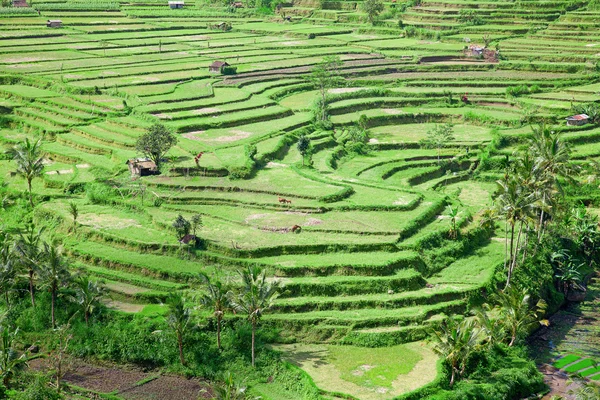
579,119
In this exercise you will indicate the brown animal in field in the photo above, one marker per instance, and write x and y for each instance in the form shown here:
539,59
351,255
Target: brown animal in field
296,229
284,201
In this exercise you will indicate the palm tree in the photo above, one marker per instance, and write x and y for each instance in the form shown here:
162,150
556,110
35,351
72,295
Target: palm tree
453,213
8,272
517,205
215,299
74,211
230,389
179,319
514,310
87,295
30,161
53,274
552,159
492,329
28,250
256,297
454,342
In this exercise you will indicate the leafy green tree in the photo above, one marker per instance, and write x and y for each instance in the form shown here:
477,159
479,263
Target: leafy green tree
156,142
88,294
179,320
324,76
53,275
372,8
568,271
29,253
30,162
454,342
437,137
182,226
216,299
516,313
255,297
303,146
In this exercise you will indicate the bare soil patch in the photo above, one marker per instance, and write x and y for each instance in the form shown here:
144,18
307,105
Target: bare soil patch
272,164
125,307
168,387
206,110
98,221
192,135
392,111
236,135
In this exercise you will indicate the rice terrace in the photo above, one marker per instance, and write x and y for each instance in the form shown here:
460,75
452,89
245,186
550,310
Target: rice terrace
313,199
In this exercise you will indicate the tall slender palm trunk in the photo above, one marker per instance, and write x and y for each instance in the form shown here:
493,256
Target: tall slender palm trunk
180,344
30,193
52,307
31,288
219,332
253,340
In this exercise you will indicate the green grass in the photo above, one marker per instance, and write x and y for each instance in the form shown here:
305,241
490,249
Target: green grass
566,360
372,367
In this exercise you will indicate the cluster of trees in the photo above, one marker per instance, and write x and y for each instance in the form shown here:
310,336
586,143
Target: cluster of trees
252,299
530,196
45,268
507,321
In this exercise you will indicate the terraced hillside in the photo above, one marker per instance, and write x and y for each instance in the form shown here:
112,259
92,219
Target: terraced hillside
378,258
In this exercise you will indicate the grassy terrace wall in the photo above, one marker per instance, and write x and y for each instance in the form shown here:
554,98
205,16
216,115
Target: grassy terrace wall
377,259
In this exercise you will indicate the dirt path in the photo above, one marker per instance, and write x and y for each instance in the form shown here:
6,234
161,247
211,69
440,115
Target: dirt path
572,330
132,383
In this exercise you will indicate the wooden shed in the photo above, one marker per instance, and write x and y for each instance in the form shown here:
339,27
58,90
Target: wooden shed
19,3
54,23
579,119
142,167
176,4
217,66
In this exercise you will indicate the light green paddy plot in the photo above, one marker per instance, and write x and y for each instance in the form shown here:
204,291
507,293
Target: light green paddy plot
473,194
365,373
267,181
408,43
342,221
417,132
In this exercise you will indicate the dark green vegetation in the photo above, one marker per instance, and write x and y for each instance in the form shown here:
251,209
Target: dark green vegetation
351,152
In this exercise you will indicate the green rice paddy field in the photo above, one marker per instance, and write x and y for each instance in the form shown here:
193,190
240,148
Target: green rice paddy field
365,267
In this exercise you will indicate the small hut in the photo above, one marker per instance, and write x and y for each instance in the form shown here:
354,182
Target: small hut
19,3
187,239
577,120
476,51
54,23
142,167
176,4
217,66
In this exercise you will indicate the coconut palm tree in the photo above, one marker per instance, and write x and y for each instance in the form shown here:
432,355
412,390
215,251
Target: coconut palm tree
28,250
230,388
29,158
179,319
256,297
516,313
552,162
452,213
517,205
53,275
455,341
87,295
215,299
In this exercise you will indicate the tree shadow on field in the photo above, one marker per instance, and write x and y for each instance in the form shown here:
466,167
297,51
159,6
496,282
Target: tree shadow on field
316,357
